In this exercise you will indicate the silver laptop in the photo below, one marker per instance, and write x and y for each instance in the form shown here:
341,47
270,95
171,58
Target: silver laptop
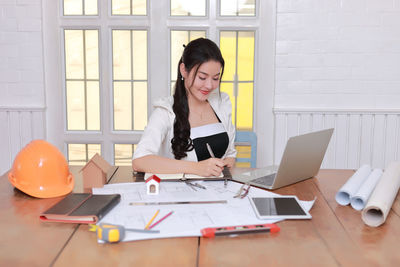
301,159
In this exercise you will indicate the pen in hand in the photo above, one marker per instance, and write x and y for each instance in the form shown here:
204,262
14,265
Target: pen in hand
213,156
210,150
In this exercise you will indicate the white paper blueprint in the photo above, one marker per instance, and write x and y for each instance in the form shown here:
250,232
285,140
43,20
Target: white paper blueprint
187,219
381,200
360,198
350,188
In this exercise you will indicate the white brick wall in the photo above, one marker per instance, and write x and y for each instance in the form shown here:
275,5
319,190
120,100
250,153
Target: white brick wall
21,56
342,54
22,97
338,54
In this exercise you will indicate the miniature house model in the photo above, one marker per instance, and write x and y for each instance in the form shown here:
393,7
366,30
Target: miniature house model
95,173
153,185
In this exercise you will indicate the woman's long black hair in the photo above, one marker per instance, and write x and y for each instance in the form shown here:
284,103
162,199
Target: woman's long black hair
195,53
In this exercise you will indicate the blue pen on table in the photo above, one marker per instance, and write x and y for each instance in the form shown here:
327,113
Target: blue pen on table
213,156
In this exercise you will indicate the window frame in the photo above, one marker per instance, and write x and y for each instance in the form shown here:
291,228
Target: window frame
111,77
64,79
158,62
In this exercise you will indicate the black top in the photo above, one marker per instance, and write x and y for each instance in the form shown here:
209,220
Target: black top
213,134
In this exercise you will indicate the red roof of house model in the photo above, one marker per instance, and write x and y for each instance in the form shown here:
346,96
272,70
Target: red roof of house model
153,177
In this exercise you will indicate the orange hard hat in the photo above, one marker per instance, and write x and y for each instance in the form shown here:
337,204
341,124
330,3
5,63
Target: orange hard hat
41,170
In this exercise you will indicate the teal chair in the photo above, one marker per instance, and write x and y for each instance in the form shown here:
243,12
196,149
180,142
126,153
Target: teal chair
246,138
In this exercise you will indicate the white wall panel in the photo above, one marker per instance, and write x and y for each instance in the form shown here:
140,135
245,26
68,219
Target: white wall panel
392,138
4,142
353,141
330,156
378,142
15,133
38,123
341,144
360,137
19,127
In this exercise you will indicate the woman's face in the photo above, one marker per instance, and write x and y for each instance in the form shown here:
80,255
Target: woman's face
202,83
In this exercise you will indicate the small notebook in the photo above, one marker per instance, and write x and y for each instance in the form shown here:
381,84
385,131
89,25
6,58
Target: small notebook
225,174
81,208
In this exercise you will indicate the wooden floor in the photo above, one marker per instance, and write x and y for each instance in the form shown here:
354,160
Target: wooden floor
335,236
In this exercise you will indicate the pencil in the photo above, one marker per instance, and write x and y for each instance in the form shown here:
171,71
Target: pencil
212,155
160,220
210,150
152,219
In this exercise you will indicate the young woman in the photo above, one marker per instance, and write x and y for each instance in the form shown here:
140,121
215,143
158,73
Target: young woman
181,127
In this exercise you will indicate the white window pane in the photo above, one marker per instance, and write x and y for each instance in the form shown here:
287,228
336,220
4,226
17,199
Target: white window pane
121,7
80,7
75,105
188,8
139,52
81,64
92,54
237,7
172,89
76,154
122,106
122,55
73,7
228,7
178,39
92,149
140,105
80,154
139,7
247,8
93,106
91,7
130,79
74,62
129,7
196,34
123,154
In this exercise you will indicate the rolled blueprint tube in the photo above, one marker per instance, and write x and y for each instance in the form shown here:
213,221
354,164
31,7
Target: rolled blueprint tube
352,185
359,200
381,200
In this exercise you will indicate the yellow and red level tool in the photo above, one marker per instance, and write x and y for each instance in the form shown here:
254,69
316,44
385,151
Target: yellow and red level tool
240,229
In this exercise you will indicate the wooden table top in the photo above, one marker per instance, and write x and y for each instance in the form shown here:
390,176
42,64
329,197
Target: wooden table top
335,236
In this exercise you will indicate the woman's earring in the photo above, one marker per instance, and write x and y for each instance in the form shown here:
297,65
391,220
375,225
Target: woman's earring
182,78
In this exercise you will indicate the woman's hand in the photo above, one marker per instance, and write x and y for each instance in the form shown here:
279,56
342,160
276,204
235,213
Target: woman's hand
229,162
210,167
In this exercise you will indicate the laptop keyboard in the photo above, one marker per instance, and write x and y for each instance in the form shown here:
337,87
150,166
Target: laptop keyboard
265,180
